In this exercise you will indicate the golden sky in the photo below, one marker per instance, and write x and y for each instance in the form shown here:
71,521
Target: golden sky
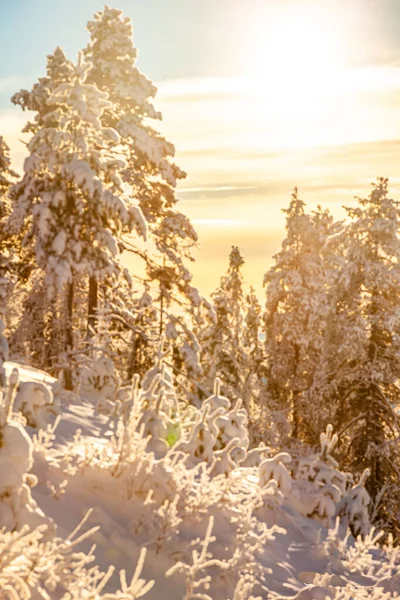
244,150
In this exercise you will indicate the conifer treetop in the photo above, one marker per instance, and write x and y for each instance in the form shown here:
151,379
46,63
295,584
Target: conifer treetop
113,55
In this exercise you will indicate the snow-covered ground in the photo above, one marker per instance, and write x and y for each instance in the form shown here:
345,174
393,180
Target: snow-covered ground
213,528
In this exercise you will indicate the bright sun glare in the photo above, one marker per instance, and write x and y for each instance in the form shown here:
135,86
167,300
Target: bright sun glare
299,41
297,55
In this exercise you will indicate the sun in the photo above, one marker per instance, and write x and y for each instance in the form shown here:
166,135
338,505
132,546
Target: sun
298,54
298,42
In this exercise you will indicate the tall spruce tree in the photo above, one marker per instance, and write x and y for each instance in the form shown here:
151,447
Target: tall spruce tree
252,330
7,178
296,309
221,339
71,202
366,353
330,248
149,171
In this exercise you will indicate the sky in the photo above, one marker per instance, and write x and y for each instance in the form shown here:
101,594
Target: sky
258,96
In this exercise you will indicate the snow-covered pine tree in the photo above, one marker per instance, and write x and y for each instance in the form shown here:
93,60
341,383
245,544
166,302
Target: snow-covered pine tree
7,178
71,202
176,301
254,390
58,71
295,317
319,405
149,169
367,353
221,334
254,348
29,337
152,177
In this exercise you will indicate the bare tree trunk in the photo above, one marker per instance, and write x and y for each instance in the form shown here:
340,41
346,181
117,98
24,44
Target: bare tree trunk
162,283
51,346
296,397
69,336
296,414
161,314
93,296
132,356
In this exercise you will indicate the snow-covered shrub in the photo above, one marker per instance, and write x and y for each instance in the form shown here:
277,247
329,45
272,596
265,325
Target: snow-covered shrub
355,507
17,506
320,485
161,409
35,401
219,434
233,425
275,469
98,380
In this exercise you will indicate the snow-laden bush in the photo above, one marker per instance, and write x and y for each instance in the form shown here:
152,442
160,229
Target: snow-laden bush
275,469
323,492
98,380
17,506
35,401
355,505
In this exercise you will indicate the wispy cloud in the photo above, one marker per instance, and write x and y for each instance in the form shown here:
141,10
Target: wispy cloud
214,190
219,222
236,135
